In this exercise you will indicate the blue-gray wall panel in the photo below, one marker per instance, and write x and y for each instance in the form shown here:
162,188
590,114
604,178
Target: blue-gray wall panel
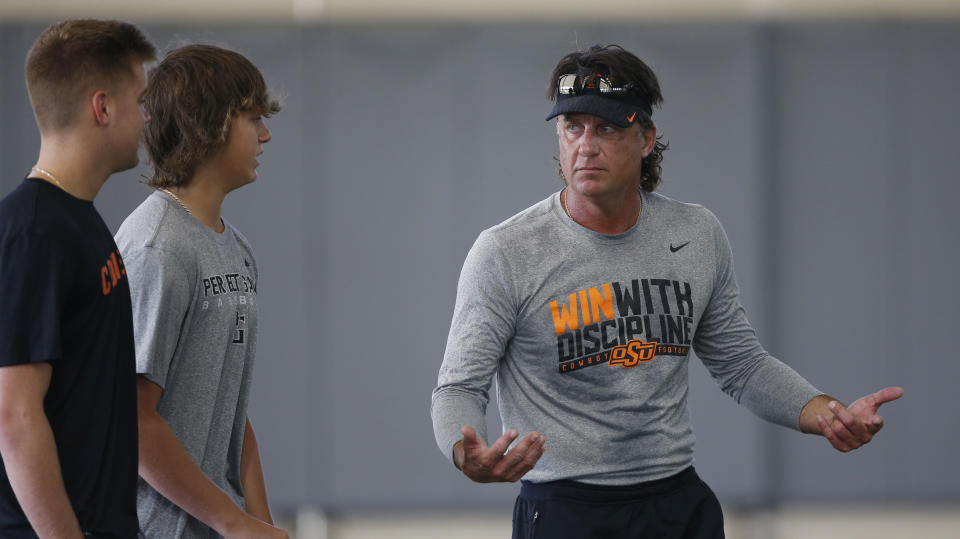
857,102
923,312
19,139
836,132
398,144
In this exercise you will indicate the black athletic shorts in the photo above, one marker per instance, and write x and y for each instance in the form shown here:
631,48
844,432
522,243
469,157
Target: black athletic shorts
680,506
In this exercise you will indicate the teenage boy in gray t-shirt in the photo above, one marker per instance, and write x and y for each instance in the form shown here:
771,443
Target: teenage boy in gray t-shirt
193,281
585,308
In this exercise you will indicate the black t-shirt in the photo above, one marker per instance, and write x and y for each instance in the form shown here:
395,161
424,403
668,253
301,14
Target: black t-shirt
65,300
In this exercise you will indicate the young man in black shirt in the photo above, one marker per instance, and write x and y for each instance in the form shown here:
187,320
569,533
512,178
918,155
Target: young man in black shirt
68,424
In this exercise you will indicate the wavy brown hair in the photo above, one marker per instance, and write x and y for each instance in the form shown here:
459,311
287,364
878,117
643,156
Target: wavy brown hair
622,67
192,96
74,57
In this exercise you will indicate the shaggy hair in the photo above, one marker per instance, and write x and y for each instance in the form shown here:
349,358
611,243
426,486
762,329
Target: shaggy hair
192,97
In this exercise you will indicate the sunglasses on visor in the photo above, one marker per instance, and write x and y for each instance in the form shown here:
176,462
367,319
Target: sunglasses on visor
589,84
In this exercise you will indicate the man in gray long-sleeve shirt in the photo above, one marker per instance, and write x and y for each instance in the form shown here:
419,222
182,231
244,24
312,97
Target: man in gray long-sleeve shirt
585,307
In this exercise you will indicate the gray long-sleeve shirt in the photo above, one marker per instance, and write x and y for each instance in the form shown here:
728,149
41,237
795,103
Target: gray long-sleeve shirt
588,336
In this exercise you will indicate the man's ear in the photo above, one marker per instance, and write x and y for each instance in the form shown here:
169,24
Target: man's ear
649,139
100,107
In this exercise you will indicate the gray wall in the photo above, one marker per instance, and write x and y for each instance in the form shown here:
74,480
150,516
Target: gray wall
827,150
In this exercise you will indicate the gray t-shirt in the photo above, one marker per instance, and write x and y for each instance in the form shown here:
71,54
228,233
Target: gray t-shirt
588,336
194,298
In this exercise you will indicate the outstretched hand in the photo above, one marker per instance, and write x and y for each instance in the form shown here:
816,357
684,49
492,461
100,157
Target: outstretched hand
495,464
851,427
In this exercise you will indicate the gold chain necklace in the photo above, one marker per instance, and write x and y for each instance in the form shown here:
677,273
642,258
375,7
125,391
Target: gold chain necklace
563,204
49,175
176,199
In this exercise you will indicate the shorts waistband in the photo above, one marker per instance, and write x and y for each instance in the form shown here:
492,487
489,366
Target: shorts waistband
606,493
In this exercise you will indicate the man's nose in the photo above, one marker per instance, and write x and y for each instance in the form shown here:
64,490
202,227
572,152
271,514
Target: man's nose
589,144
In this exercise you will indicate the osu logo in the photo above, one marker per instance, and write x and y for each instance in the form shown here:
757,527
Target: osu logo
633,353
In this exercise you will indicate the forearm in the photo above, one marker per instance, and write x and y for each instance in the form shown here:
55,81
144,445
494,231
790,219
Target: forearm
453,409
33,468
251,476
169,469
818,406
777,393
